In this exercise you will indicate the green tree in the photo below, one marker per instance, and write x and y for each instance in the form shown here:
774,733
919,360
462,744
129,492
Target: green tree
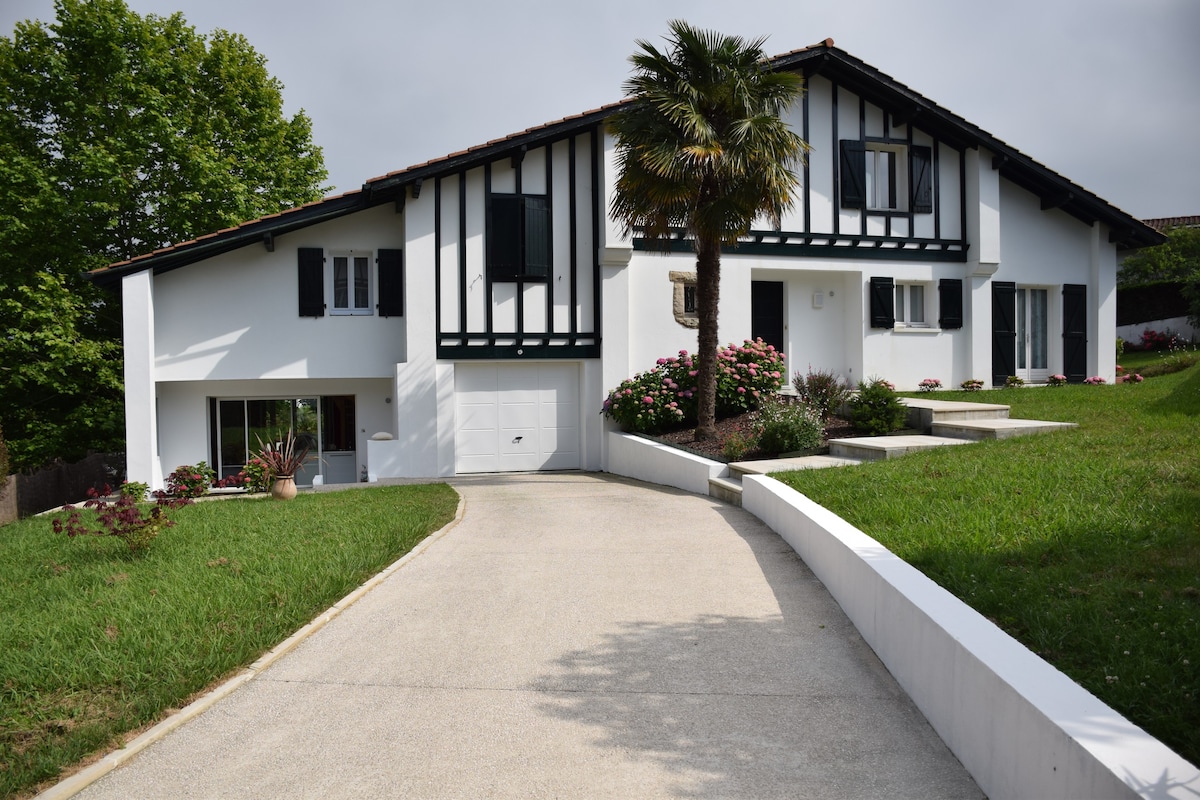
119,134
1176,260
702,146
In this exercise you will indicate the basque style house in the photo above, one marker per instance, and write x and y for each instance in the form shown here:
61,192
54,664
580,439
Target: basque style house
468,314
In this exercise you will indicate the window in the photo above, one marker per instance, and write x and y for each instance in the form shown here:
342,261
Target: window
519,237
348,277
683,299
886,176
351,283
910,305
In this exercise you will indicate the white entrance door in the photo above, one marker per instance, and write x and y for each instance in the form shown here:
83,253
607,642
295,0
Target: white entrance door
1032,326
516,417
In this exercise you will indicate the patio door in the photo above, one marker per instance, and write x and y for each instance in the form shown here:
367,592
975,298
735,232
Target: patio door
1033,363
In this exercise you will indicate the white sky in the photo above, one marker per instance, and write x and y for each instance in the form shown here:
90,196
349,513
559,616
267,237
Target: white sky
1105,92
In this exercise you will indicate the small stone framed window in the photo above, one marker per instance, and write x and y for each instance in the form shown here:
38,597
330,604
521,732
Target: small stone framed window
684,299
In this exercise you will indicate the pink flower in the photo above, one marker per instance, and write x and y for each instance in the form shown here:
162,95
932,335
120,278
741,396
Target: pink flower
693,373
741,390
648,400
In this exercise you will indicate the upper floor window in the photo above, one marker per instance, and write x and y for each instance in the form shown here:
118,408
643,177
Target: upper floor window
519,242
351,283
352,280
886,176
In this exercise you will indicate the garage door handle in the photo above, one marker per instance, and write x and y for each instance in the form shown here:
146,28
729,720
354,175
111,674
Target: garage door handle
518,440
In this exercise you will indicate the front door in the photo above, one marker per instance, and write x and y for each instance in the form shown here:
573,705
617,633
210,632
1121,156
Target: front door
766,312
1032,347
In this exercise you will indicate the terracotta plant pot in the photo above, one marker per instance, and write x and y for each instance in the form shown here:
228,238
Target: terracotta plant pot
283,487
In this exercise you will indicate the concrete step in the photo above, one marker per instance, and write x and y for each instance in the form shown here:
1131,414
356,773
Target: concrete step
880,448
766,467
923,413
726,489
976,430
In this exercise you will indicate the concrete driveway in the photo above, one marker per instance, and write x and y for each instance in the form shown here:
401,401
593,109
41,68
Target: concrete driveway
575,635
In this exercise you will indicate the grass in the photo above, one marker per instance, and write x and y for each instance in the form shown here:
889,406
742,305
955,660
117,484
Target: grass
1082,544
96,642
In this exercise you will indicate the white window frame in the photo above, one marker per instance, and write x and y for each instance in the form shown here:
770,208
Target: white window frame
878,179
351,308
909,296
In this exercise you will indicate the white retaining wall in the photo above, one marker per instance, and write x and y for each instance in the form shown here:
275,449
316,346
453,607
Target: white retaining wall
646,460
1020,727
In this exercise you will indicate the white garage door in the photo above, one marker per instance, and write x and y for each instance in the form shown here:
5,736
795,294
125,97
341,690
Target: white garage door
516,417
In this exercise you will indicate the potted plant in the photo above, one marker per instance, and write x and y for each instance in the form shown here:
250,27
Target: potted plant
282,459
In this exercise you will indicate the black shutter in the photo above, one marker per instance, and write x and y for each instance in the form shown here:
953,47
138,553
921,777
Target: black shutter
883,303
391,283
1075,332
311,281
854,172
1004,331
950,303
504,237
920,162
537,236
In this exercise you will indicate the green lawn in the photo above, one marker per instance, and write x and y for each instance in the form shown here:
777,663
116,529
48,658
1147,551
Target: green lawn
95,641
1083,544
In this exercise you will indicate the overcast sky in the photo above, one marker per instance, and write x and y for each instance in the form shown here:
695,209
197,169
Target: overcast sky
1104,92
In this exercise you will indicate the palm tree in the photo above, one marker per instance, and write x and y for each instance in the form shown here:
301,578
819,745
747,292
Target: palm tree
701,146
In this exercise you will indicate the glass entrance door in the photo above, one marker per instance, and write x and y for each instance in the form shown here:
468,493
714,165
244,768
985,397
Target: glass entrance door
324,425
1032,325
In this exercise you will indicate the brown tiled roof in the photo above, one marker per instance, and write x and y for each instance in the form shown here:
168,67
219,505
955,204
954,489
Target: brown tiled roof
1165,223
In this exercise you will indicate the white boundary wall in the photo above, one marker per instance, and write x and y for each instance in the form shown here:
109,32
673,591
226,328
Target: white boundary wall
1022,728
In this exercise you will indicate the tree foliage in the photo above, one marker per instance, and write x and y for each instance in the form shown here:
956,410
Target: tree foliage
1177,260
703,147
119,134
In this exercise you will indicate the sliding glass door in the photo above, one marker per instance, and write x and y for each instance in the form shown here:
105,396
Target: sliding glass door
325,425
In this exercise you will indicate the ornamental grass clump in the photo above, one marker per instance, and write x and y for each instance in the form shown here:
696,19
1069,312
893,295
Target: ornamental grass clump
782,427
821,391
876,409
664,397
283,457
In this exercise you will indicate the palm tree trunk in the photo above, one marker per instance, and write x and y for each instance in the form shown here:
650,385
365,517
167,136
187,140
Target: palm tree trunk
708,289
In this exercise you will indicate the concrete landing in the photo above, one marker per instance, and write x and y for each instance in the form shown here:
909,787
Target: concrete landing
880,448
980,429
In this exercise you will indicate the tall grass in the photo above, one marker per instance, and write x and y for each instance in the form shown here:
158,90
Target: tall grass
1082,544
95,642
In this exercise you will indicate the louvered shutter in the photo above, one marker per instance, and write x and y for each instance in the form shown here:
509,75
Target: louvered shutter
853,178
950,303
920,161
1075,332
311,281
504,236
1004,331
537,236
391,283
883,299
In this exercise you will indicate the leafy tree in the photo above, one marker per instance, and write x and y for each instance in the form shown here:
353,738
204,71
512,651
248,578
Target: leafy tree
702,146
1176,260
119,134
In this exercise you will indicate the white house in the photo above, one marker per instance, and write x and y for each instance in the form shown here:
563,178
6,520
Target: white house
476,308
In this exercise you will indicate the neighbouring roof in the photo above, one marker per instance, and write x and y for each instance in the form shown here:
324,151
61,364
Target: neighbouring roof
822,59
1166,223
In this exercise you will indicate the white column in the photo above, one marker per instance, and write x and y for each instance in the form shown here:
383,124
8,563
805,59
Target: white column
982,197
1102,306
141,402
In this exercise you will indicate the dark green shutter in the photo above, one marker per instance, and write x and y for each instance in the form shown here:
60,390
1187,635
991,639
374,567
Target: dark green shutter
311,281
920,161
1075,332
854,171
504,237
1004,331
950,303
883,303
391,283
537,236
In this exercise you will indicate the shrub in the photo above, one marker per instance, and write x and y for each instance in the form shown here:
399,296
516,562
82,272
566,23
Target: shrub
783,427
971,385
189,481
1095,380
665,397
1120,347
929,385
736,446
134,489
257,479
877,409
1057,380
821,391
1013,381
124,519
